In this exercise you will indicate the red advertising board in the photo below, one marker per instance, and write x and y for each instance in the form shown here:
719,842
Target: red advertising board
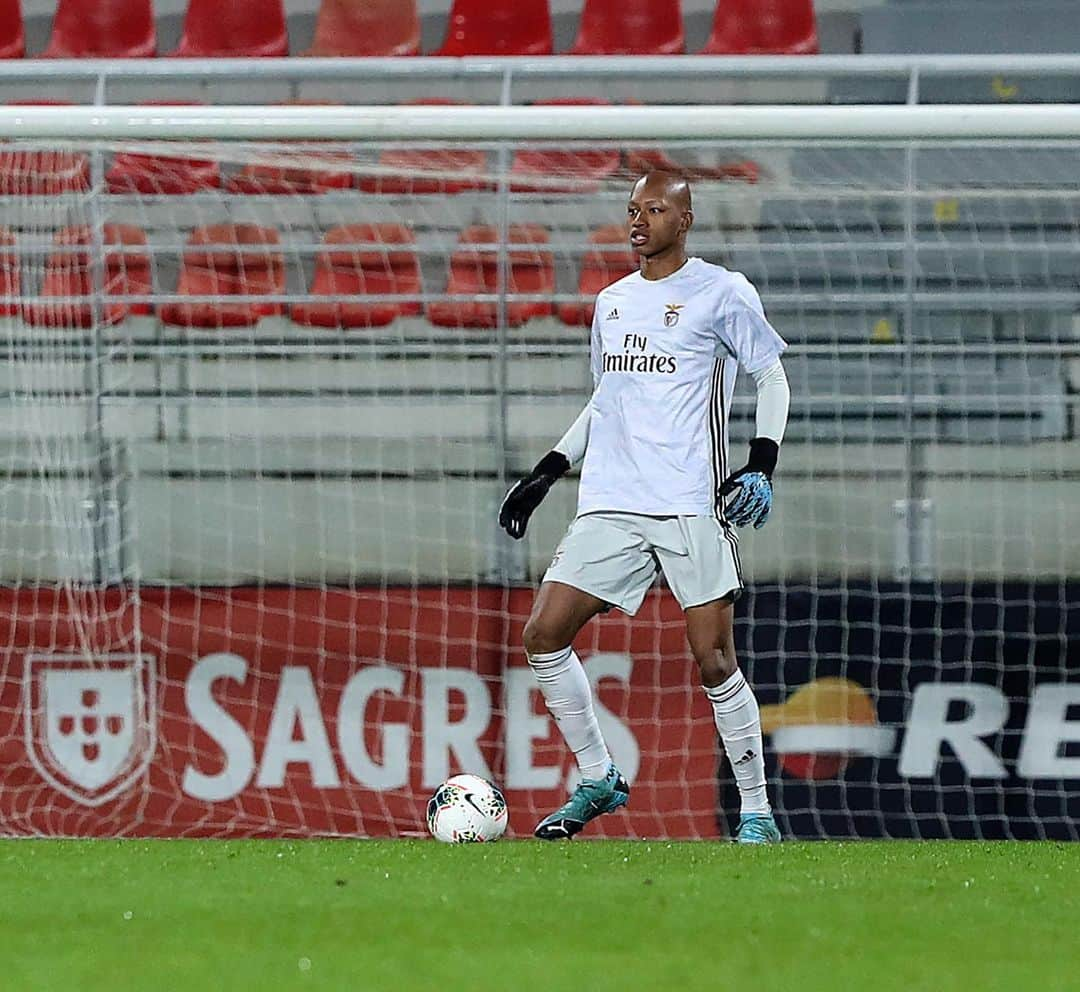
296,712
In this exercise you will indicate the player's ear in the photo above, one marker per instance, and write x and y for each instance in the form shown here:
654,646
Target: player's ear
687,221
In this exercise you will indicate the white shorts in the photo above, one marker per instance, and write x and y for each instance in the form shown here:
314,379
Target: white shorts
616,557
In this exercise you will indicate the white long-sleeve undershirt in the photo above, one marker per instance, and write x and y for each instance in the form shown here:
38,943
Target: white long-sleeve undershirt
771,414
773,402
576,439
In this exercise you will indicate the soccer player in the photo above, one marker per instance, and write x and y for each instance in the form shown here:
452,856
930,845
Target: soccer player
666,341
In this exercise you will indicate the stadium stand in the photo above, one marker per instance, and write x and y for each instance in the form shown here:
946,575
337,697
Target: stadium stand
977,401
920,27
307,172
789,261
443,171
639,160
498,27
823,243
608,259
883,168
361,260
12,35
763,27
228,260
961,244
280,175
69,272
163,175
103,29
42,172
474,271
366,27
339,441
630,27
1037,27
577,170
255,28
861,244
10,274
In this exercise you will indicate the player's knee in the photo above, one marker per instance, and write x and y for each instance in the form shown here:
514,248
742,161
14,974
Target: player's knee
717,665
542,636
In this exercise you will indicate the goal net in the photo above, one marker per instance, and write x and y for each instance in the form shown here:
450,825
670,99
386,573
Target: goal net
262,401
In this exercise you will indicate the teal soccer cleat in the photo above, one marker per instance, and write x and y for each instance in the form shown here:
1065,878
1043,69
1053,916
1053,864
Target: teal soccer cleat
591,798
758,828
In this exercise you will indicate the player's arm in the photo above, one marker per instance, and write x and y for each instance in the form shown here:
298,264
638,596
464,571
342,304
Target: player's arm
751,487
748,335
528,493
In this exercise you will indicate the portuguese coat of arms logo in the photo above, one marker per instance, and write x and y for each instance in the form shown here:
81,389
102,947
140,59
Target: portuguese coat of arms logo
90,722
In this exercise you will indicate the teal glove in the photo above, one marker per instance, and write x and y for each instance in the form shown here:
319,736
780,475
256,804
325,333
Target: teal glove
751,486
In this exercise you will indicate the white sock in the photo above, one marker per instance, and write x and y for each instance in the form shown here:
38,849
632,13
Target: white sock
738,719
568,696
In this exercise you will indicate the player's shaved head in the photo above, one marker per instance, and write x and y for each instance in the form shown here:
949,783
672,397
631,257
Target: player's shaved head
660,214
667,185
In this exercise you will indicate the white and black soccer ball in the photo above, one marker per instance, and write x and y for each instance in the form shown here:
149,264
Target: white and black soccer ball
466,809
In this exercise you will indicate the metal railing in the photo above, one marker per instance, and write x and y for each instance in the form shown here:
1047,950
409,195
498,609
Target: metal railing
909,68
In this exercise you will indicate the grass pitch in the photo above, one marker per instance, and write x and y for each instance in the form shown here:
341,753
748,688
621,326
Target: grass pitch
367,916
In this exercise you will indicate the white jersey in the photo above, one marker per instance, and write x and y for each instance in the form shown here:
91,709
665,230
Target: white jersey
664,357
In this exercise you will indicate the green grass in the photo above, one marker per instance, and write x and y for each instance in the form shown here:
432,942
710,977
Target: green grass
158,916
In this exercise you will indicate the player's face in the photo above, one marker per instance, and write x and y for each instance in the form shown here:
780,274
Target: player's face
655,221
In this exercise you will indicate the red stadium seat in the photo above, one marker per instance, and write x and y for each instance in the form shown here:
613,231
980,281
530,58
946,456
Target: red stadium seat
498,27
407,171
132,172
559,170
474,271
639,161
42,172
254,28
12,39
102,29
68,272
229,260
763,27
322,172
609,259
10,275
630,27
283,173
363,271
366,27
152,174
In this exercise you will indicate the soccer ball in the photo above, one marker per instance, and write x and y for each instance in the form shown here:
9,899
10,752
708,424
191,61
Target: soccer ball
466,809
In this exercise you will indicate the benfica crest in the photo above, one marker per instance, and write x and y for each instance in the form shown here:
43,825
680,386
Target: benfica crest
90,724
671,314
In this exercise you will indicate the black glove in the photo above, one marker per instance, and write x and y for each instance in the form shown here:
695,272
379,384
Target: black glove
527,494
752,485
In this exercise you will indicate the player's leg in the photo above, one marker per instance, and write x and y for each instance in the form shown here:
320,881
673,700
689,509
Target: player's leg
603,561
699,559
558,613
710,631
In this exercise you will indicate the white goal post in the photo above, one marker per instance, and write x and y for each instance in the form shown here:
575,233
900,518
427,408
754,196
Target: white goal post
268,371
565,123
